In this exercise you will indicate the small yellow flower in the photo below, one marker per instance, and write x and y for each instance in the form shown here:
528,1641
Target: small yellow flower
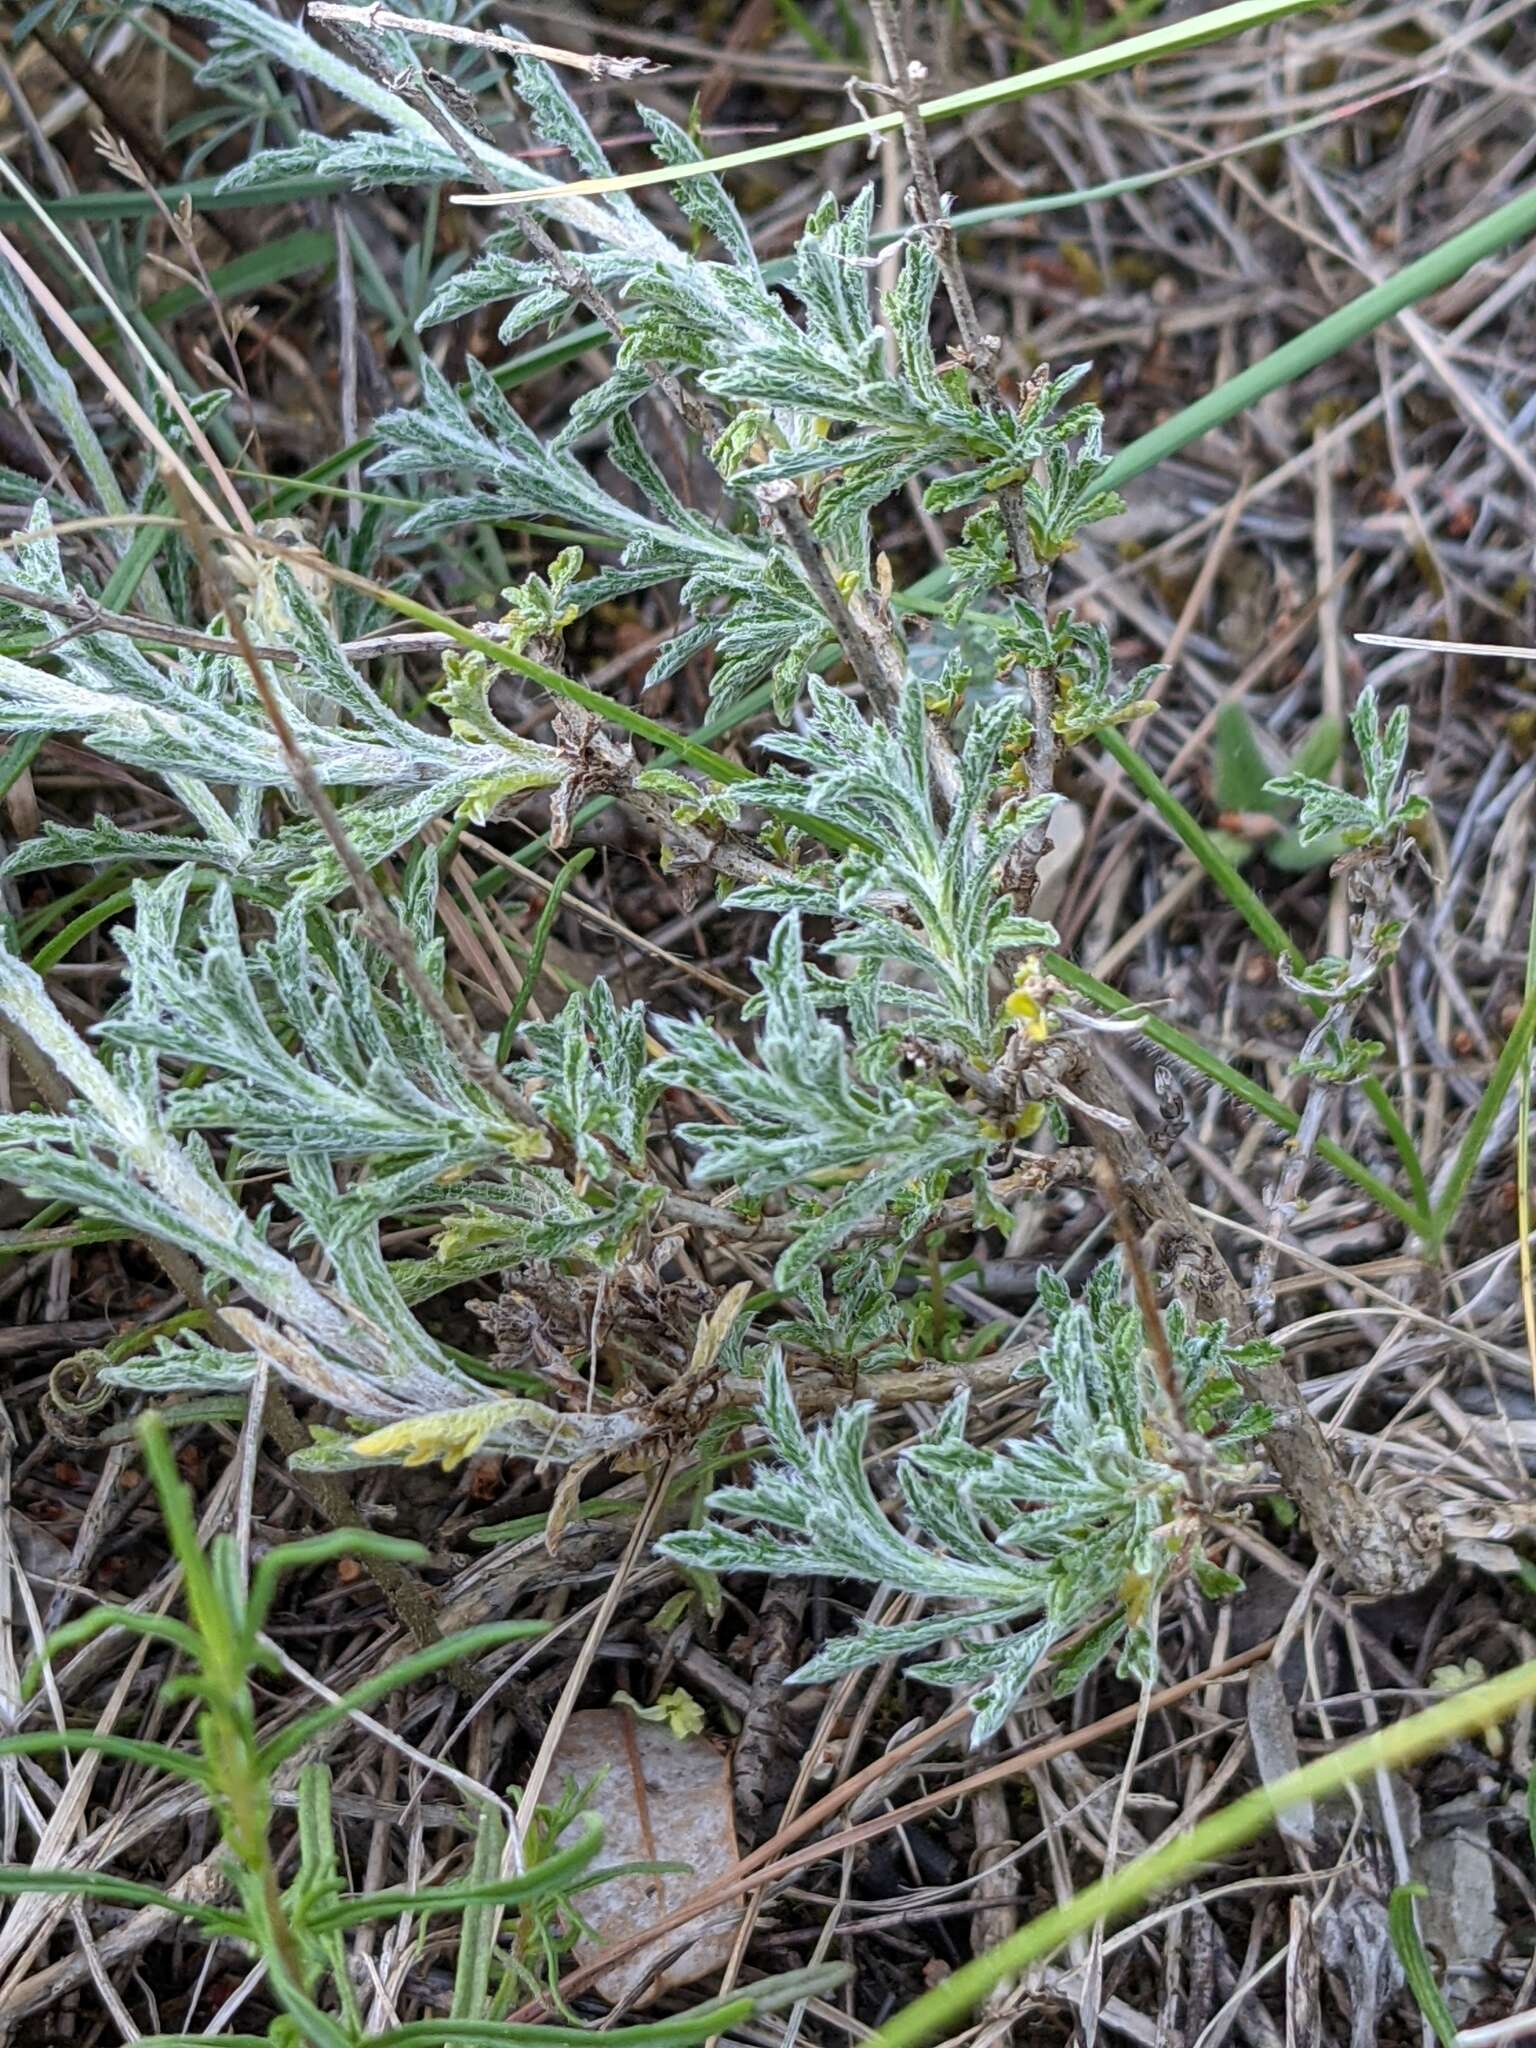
1028,1003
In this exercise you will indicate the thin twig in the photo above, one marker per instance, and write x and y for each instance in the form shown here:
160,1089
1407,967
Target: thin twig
927,202
543,1763
876,667
594,66
1369,880
1376,1544
379,917
980,353
84,615
1146,1294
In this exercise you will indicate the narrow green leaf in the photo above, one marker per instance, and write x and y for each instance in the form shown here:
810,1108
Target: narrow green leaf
1238,768
1243,897
467,1644
1417,1968
327,1548
203,193
536,949
205,2041
1470,1151
153,1756
120,1891
63,943
477,1928
253,270
17,759
85,1628
1271,934
554,1874
686,2027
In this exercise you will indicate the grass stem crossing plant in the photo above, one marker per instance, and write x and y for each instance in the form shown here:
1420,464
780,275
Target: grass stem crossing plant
336,1079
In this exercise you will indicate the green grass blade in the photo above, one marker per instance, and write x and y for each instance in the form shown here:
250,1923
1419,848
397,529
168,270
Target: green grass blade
138,560
686,2027
46,958
942,2010
267,264
1171,39
1512,222
477,1926
1523,1164
1417,1969
213,1626
1400,1139
1245,900
1265,927
1468,1153
85,1628
769,1994
205,2041
326,1548
537,946
17,759
94,207
1216,1069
